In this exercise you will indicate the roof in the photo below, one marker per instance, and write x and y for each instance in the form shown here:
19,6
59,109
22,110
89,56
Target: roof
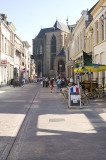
61,26
43,31
62,52
57,26
26,43
93,7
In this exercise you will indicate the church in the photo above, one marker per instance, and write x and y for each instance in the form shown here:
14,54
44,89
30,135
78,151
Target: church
49,52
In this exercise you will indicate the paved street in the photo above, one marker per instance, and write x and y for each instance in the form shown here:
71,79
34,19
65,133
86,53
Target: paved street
50,131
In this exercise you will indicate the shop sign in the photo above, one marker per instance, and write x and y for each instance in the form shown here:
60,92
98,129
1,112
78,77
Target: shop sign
3,62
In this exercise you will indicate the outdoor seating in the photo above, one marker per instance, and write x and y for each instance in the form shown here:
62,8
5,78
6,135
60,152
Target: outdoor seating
86,93
94,92
88,84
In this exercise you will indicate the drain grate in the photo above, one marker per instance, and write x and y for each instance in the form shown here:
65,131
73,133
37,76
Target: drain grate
57,120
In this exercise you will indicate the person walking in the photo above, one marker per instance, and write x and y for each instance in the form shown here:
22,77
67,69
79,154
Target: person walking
58,84
51,84
43,81
47,82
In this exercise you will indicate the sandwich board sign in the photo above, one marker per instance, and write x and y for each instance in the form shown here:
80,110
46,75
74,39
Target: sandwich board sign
74,97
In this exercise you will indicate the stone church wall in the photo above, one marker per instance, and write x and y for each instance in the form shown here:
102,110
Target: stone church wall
58,35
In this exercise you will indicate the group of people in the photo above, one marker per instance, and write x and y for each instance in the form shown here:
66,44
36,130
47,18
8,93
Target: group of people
49,82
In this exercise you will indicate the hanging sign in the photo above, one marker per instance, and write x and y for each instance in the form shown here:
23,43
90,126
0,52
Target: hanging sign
3,62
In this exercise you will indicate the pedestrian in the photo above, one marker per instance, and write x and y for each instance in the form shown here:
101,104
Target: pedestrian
63,83
51,84
47,82
58,84
43,81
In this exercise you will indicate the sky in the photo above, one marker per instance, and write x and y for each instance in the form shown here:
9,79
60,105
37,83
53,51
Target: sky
29,16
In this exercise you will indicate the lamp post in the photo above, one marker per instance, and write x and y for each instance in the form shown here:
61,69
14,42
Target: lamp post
60,69
71,64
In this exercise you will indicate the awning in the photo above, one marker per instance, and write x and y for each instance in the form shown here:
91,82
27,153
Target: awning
91,68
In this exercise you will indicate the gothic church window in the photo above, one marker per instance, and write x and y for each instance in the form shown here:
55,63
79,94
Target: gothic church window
53,50
41,49
53,44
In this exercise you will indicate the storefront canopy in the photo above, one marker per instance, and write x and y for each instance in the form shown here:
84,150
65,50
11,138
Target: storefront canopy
90,68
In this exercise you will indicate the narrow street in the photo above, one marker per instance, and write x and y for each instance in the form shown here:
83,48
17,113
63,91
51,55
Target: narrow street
38,125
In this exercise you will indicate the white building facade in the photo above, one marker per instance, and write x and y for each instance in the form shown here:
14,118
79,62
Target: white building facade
11,47
99,37
78,42
89,36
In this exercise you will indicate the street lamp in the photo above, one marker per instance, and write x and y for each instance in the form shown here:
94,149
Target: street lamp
60,69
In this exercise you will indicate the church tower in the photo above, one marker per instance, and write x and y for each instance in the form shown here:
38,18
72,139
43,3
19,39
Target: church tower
48,50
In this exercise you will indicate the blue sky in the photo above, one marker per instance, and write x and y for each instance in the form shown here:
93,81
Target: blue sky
28,16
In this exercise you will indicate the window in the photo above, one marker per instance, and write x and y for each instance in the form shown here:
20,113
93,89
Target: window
91,42
97,36
2,43
41,49
80,40
78,44
102,27
53,44
8,47
5,46
84,38
12,51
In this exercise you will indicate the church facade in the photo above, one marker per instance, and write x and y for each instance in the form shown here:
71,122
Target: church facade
48,50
